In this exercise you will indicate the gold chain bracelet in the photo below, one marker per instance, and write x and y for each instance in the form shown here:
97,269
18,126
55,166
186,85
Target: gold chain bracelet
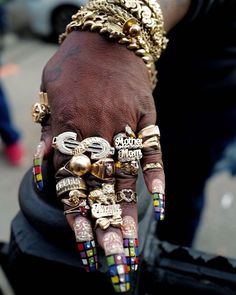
138,24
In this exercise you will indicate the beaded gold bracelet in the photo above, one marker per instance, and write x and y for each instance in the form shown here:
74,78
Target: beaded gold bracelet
138,24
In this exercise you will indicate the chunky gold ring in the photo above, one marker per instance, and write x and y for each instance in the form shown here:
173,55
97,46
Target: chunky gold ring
149,131
82,208
104,208
122,141
75,197
70,183
105,195
130,168
40,109
127,195
103,169
67,144
128,146
153,142
79,164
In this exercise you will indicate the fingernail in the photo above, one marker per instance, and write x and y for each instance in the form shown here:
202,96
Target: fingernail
37,165
131,253
116,261
130,242
88,255
86,244
119,272
159,206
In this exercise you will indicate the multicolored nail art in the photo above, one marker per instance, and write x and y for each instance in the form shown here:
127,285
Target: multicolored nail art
131,253
130,242
119,272
88,255
37,171
37,165
159,206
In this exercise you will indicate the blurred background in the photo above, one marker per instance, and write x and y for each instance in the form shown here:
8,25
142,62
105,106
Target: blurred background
30,40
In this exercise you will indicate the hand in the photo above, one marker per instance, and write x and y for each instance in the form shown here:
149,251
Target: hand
96,88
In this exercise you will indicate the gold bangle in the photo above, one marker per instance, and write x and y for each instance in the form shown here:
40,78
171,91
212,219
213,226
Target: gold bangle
137,24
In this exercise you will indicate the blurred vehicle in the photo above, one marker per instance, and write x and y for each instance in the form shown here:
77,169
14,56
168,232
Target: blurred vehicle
50,17
17,16
46,18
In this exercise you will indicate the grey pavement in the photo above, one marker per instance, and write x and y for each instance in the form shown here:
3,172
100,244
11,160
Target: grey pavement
22,87
217,233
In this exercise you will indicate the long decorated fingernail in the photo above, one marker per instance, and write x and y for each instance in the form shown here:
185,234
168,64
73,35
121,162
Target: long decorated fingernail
86,244
130,242
37,165
158,195
159,206
117,262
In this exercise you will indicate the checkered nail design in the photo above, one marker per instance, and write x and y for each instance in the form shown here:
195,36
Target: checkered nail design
131,253
119,272
88,255
159,206
37,172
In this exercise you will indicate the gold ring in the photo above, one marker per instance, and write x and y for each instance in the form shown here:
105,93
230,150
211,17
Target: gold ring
152,166
149,131
130,168
74,199
82,208
128,146
79,164
103,169
40,109
153,142
104,208
70,183
127,195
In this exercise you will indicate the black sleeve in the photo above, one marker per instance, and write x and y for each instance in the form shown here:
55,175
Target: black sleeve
203,8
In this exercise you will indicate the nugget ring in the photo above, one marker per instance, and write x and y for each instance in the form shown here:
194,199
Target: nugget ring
40,109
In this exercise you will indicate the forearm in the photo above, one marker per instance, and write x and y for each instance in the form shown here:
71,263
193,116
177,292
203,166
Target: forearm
173,11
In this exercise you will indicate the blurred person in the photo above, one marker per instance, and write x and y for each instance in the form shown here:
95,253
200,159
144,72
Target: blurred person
93,87
10,135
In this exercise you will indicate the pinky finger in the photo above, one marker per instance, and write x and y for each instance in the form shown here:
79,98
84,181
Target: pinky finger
152,166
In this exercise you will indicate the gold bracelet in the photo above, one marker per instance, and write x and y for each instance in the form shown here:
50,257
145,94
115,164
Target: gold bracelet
138,24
